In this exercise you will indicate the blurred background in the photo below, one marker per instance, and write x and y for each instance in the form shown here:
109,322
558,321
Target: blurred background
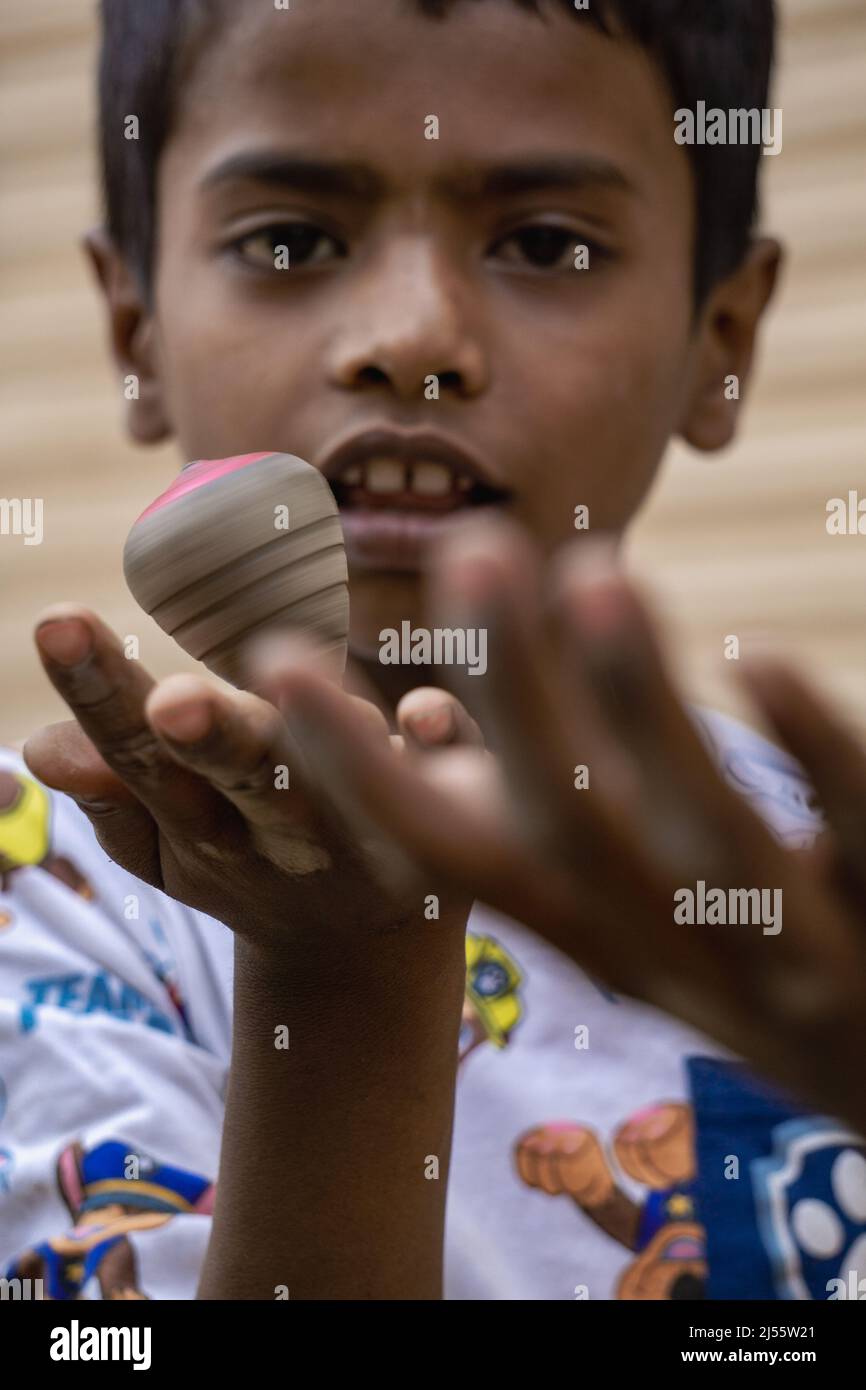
732,544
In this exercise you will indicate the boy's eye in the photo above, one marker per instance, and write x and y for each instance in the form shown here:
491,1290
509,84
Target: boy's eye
304,243
543,247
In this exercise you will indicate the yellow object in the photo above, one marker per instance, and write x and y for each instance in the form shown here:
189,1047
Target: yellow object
24,827
492,978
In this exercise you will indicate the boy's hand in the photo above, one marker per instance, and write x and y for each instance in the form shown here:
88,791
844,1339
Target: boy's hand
575,679
184,782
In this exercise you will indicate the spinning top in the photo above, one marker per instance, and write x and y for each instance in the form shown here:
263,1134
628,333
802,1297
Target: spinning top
239,544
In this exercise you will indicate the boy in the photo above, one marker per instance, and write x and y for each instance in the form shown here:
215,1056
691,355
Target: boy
433,348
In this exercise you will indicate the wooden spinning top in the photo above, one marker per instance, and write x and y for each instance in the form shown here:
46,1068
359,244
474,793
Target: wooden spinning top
240,544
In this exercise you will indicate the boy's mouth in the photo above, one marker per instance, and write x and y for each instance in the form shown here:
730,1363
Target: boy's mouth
397,492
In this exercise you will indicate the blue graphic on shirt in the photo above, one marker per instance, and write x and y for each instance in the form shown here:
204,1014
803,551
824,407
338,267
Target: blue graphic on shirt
54,1273
111,1192
165,970
99,993
794,1219
660,1208
106,1180
6,1166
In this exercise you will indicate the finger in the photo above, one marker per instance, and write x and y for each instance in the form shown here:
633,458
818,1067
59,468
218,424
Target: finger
694,827
316,714
432,718
685,814
285,672
565,776
684,826
457,839
488,578
106,693
62,756
833,757
273,658
240,746
272,644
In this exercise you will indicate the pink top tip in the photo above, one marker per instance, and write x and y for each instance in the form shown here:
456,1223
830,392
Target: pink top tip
196,474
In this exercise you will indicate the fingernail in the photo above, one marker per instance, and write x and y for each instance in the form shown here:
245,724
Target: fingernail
66,641
593,586
604,606
433,726
186,723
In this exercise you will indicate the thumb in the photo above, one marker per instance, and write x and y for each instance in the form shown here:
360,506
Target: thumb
61,756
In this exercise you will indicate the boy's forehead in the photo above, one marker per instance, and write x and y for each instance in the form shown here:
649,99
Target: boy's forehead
363,79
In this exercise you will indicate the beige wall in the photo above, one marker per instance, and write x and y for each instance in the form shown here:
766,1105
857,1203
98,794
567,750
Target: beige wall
733,544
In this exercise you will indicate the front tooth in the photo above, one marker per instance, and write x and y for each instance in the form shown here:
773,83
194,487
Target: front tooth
431,479
352,475
385,476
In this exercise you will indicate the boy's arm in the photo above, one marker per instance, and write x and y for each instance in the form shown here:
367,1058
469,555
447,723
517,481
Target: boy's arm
337,1132
348,999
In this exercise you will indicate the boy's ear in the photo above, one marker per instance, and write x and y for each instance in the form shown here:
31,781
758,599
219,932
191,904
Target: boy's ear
132,335
726,338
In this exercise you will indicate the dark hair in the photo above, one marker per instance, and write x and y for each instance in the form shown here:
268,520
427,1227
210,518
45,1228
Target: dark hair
718,51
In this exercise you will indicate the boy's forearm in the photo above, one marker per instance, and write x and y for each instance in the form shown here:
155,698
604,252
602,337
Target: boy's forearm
328,1185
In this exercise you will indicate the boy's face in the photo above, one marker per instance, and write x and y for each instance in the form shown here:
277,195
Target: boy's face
411,257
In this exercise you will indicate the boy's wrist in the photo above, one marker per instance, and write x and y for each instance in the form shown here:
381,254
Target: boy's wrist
381,979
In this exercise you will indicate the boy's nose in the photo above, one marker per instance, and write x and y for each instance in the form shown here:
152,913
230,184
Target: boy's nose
410,320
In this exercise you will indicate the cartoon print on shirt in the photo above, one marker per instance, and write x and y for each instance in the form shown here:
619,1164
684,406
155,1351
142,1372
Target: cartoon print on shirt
164,968
101,992
793,1224
492,1007
110,1191
656,1148
25,836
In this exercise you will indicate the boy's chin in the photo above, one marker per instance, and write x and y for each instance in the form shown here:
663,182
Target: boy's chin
380,601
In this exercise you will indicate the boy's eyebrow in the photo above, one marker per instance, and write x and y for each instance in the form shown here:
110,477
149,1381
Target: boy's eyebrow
340,177
551,171
351,178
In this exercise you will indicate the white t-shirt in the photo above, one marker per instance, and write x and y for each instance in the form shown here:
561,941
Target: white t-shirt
591,1133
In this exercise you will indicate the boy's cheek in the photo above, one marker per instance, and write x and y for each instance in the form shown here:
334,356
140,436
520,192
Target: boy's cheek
600,443
229,376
